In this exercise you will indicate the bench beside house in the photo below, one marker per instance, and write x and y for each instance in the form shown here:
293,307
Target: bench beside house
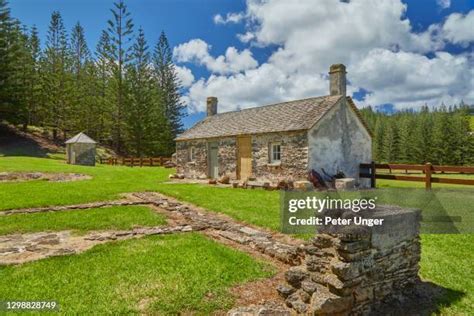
279,141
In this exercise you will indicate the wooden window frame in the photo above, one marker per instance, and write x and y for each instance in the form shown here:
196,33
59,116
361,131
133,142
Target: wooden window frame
273,152
192,154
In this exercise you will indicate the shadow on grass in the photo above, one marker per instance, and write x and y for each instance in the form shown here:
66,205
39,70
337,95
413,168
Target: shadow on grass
425,298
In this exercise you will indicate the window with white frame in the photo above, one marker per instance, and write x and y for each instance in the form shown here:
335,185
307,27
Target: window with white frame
275,152
192,153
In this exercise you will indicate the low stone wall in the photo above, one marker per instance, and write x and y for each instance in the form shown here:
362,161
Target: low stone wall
354,269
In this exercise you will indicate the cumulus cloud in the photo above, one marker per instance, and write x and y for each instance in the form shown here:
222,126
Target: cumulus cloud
185,75
245,38
197,51
443,4
459,28
409,79
382,52
229,18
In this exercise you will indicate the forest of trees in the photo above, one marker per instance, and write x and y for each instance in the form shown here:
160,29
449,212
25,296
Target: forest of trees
123,94
440,136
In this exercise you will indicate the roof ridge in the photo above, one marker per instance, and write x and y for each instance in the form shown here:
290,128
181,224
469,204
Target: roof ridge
272,104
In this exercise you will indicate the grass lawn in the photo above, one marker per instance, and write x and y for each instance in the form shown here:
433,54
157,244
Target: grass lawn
446,259
172,274
256,207
81,221
106,183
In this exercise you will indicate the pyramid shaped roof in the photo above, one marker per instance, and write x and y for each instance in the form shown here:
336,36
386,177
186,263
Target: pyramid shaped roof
81,138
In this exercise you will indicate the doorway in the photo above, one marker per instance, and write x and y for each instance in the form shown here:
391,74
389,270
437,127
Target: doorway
213,162
244,157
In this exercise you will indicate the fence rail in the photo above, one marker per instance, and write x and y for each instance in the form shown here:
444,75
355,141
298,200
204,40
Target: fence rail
369,170
136,162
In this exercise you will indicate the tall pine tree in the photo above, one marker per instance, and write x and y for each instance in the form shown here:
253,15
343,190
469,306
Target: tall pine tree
56,75
169,84
120,29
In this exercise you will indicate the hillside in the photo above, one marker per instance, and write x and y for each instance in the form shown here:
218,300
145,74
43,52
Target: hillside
13,142
35,142
472,123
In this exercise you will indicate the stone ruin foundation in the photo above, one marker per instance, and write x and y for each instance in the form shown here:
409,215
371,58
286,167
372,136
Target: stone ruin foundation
353,270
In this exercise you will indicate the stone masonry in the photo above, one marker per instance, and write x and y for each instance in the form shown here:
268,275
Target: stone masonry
293,165
196,169
355,269
294,156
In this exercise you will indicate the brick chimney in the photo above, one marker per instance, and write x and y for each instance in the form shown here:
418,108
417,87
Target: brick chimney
337,79
211,106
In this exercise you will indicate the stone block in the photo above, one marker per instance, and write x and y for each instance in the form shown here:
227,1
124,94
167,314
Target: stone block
303,185
345,184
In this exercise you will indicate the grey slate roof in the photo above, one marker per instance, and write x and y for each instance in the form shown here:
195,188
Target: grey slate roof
280,117
81,138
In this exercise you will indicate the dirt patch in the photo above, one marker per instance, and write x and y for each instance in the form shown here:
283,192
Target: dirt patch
259,292
53,177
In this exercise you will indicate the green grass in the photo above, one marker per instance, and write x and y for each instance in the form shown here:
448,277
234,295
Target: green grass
472,123
81,221
106,184
256,207
447,260
176,273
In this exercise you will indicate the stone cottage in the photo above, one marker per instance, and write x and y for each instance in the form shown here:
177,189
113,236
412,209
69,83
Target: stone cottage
279,141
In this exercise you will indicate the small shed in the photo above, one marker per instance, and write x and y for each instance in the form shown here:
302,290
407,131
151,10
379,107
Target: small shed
80,150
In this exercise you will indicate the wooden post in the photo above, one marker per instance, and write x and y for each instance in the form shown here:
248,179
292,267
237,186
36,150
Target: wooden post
372,175
428,176
141,161
151,161
161,160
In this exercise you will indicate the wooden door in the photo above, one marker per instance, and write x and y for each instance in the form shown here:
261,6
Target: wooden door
244,158
213,163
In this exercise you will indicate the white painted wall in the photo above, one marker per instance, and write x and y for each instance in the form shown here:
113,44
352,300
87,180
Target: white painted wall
340,142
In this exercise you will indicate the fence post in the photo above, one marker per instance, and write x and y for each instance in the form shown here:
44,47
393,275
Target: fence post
372,175
428,176
161,160
141,161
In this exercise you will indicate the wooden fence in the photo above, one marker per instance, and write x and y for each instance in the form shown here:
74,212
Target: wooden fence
136,162
369,170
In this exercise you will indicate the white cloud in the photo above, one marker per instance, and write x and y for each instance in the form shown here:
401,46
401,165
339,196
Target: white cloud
197,51
229,18
459,29
185,75
264,85
245,38
443,4
378,45
409,79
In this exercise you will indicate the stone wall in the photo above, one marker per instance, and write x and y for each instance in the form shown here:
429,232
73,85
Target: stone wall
352,270
81,154
294,156
198,169
227,157
192,169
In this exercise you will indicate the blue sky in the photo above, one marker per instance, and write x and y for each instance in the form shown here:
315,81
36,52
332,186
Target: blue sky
272,67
